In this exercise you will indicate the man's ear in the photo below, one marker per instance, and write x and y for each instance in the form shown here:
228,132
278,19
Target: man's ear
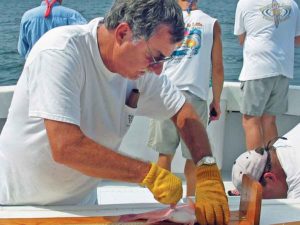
270,177
123,33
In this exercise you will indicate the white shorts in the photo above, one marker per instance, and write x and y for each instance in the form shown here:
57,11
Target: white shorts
265,96
163,135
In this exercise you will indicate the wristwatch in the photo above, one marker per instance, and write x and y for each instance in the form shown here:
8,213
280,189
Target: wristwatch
207,160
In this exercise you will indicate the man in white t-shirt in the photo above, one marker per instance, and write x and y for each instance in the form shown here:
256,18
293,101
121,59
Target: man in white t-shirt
277,169
195,61
78,93
268,31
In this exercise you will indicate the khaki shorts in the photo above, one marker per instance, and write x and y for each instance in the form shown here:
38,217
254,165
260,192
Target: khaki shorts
163,135
265,96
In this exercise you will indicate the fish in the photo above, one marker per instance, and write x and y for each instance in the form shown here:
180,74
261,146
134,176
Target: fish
182,214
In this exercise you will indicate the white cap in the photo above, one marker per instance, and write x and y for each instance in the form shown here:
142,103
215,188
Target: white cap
251,163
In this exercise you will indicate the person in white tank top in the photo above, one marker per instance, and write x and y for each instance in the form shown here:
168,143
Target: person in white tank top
195,61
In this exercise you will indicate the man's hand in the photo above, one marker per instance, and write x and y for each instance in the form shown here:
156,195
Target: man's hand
211,201
165,187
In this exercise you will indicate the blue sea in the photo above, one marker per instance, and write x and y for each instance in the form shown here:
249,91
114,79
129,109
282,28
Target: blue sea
11,11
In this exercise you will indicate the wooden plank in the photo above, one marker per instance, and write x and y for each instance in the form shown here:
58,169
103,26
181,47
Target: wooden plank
289,223
98,220
250,203
60,220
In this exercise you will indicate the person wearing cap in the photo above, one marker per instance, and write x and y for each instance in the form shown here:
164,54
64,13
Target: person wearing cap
79,91
268,30
37,21
195,61
276,167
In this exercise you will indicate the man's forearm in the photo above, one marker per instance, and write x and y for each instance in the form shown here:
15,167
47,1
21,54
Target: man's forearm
217,85
217,64
193,132
242,38
98,161
72,148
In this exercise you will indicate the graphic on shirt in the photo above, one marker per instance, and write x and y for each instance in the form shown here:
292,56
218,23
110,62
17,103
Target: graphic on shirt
276,12
191,43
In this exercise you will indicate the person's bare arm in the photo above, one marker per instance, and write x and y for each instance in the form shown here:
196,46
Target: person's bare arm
211,205
192,131
71,147
242,38
297,41
217,70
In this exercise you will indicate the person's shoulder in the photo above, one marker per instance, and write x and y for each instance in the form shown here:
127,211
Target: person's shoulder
294,4
63,11
34,13
201,15
67,9
205,14
245,3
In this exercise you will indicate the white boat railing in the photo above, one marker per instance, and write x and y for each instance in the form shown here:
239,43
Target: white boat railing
226,134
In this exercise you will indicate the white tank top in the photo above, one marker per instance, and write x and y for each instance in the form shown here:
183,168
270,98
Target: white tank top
191,66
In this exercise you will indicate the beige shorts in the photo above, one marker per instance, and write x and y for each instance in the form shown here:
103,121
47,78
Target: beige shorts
265,96
163,135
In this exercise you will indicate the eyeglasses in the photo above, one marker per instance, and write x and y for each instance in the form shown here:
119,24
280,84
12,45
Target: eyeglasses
268,166
273,140
267,169
158,60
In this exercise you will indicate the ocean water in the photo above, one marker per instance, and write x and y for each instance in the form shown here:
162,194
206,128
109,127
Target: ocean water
11,11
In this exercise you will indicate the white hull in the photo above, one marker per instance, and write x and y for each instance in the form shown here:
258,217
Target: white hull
227,140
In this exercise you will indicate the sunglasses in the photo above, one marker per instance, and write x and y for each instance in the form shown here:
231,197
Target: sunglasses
157,60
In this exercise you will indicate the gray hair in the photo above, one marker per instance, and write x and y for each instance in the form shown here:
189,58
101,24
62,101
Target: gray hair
144,16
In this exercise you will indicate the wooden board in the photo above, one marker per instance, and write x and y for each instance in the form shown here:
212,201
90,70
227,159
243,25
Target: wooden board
74,221
60,220
250,203
248,214
288,223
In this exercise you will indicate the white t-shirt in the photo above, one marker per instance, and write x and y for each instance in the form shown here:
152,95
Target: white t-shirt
191,67
64,79
270,30
288,152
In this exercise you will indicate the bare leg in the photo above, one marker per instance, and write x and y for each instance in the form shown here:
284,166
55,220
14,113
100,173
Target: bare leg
253,131
269,128
190,175
165,161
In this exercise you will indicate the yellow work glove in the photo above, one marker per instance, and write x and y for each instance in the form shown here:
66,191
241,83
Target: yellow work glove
165,187
211,201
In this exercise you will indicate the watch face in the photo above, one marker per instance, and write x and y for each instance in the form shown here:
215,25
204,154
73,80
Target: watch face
210,160
207,160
